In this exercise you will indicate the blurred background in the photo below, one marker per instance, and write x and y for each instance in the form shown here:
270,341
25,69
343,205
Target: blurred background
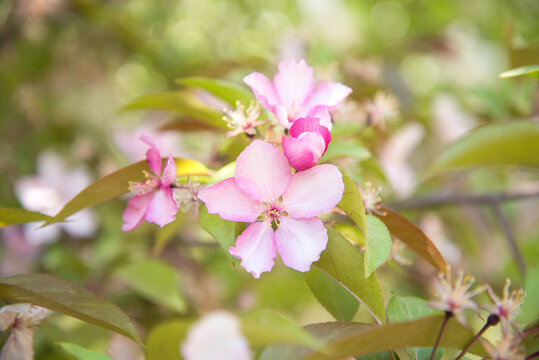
423,74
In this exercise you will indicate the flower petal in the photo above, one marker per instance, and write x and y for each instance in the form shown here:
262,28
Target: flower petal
310,124
321,113
300,242
135,210
304,153
162,209
263,89
314,191
153,157
328,94
169,173
293,84
228,201
256,248
262,171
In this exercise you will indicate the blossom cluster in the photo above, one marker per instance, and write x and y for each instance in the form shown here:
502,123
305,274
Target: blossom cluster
280,205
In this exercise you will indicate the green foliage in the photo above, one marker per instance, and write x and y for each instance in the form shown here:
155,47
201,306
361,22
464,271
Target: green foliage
352,204
156,281
530,310
225,232
79,353
117,183
378,244
414,237
529,70
227,91
163,341
515,143
62,296
338,149
10,216
343,263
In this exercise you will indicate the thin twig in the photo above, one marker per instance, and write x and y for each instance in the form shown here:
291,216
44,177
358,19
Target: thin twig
491,321
510,237
447,316
531,356
437,200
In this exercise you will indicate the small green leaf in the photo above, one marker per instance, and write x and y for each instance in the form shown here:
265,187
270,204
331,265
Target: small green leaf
164,340
227,91
117,183
414,237
378,244
62,296
165,234
225,232
515,143
530,310
156,281
344,263
529,70
265,327
352,204
180,102
13,216
337,301
80,353
338,149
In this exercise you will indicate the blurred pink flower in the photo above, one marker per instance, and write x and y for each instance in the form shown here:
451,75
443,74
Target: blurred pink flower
508,307
47,192
216,336
292,93
153,199
263,191
309,141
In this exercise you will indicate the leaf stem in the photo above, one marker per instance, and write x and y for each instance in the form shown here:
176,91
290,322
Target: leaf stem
531,356
492,320
447,316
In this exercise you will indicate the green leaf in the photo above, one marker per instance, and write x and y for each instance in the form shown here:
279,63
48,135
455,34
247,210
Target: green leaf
227,91
530,310
265,327
344,263
62,296
411,308
529,70
80,353
352,204
156,281
338,301
117,183
378,244
516,143
13,216
338,149
180,102
166,233
225,232
163,340
414,237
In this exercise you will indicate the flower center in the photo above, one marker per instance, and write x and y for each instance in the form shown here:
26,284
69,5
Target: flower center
273,211
151,183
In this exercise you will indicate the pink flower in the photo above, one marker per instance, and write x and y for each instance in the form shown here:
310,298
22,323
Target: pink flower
309,141
263,191
153,200
292,93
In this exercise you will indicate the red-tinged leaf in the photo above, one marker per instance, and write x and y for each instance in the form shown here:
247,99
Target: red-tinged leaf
117,183
13,216
414,237
62,296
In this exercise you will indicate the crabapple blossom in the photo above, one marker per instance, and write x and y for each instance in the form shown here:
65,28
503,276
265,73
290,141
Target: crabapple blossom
507,307
216,336
264,191
153,199
308,142
292,93
243,120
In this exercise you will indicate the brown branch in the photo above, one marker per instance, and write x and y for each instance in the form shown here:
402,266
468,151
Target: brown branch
510,237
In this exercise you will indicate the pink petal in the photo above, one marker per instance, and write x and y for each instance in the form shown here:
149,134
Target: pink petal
293,84
162,209
300,242
263,89
328,94
169,173
305,152
228,201
310,124
321,113
314,191
262,171
135,210
153,157
256,248
282,116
